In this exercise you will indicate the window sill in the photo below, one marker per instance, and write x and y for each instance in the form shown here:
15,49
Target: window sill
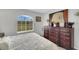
24,31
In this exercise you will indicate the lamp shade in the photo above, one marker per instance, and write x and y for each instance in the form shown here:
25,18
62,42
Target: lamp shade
2,35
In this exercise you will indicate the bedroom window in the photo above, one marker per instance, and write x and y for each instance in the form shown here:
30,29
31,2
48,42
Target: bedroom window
24,23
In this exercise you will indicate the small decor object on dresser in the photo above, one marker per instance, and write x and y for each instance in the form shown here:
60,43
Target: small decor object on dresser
65,24
58,24
68,24
52,24
38,18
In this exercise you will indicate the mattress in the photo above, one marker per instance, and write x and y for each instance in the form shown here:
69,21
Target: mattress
31,41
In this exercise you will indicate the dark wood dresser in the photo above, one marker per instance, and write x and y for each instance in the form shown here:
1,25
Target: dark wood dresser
54,34
61,36
46,32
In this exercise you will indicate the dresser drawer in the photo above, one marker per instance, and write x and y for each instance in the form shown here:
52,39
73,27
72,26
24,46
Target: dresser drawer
65,43
53,39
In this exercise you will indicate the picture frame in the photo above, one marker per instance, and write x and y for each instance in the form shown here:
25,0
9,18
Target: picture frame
57,17
38,18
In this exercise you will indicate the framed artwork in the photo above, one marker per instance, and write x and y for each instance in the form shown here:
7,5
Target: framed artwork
57,17
60,16
38,18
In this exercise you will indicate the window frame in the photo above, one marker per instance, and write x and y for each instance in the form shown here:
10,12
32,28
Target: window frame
26,30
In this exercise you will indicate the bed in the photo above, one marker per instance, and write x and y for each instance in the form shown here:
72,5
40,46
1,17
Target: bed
30,41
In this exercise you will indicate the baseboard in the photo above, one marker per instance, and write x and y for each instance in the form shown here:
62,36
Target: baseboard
74,49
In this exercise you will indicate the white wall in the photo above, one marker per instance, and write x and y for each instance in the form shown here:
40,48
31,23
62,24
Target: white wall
45,18
8,20
75,19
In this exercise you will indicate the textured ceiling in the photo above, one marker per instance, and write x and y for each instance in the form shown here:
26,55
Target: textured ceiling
45,10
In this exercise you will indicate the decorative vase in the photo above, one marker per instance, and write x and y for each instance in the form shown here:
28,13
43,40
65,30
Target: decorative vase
65,24
68,24
52,24
57,25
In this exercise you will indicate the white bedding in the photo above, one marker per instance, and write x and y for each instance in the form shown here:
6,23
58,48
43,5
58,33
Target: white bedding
31,41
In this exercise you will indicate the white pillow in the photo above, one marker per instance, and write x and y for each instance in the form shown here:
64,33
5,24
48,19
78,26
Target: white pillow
3,45
7,40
